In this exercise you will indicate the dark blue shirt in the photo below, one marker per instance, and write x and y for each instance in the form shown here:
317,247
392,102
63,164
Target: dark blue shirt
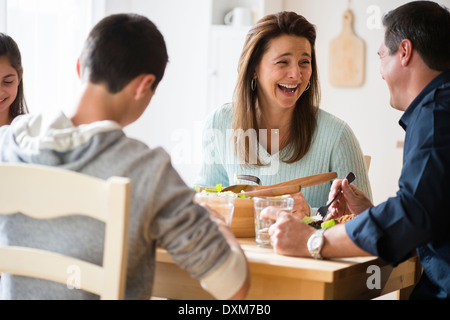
418,217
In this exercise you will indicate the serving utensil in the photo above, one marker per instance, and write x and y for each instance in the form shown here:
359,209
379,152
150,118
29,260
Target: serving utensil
323,210
303,182
273,192
249,178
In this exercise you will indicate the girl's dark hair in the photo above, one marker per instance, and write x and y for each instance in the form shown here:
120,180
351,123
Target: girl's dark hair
10,49
120,48
304,121
427,25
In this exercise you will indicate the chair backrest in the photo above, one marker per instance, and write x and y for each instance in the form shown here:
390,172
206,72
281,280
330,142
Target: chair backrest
45,192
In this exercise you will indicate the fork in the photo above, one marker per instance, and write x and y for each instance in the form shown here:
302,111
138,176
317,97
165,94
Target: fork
323,210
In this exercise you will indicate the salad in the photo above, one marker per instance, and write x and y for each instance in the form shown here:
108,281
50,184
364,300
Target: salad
218,189
318,223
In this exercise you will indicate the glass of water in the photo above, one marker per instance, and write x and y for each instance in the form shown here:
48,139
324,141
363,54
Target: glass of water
285,203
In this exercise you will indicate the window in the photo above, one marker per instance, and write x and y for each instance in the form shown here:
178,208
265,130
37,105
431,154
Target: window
50,35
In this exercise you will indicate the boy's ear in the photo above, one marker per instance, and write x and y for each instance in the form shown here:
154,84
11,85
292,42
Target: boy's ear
144,85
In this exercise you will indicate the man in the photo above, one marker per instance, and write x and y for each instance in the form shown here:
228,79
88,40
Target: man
415,63
121,64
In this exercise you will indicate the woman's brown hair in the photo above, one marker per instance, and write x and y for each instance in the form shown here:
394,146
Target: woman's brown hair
245,102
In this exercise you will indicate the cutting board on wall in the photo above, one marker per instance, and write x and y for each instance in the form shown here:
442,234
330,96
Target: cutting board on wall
347,56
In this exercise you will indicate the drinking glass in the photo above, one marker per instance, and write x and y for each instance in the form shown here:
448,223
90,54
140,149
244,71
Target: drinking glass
285,203
222,203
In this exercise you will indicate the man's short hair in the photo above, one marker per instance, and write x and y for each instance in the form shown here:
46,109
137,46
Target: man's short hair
427,25
121,47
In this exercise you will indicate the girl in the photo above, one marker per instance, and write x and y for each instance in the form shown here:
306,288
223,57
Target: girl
12,100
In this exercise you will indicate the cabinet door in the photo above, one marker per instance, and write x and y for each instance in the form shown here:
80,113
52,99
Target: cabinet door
226,45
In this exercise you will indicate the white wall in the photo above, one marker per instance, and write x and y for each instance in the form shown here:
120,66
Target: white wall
176,113
2,15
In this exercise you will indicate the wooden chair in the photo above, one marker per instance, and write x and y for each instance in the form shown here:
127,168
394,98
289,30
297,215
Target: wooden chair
45,192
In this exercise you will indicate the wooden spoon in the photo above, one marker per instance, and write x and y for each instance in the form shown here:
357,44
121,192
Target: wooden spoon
303,182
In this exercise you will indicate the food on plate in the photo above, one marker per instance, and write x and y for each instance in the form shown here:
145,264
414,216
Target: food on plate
345,218
318,223
218,189
327,224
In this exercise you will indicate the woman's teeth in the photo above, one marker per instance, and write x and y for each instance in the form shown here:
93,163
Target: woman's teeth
288,87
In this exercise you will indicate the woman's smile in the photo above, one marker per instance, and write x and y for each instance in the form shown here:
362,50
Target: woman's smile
288,89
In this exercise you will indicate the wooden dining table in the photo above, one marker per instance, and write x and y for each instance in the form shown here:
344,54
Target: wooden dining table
278,277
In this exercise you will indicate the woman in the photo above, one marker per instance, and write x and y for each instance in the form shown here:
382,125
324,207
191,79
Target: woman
12,100
274,128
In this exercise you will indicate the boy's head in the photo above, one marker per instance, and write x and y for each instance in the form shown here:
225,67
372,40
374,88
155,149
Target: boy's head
120,48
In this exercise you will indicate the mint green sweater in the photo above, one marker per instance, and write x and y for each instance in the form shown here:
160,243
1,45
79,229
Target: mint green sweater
334,149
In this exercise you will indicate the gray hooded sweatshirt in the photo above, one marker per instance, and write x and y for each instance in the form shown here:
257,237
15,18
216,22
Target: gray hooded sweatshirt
162,211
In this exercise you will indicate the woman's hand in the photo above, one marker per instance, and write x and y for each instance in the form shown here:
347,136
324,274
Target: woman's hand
301,207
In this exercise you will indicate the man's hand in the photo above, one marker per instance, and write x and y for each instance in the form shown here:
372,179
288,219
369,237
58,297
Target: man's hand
288,234
350,201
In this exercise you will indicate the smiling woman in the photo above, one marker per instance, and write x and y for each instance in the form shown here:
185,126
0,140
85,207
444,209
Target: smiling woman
278,132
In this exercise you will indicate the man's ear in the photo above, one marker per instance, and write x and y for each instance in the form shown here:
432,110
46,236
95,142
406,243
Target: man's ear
406,52
144,85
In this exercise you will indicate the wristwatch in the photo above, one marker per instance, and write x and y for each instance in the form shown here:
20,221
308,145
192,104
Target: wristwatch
315,243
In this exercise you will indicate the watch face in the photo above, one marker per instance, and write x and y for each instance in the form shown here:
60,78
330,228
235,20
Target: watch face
316,242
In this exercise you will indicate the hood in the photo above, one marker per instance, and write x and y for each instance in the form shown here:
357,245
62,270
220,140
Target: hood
53,140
